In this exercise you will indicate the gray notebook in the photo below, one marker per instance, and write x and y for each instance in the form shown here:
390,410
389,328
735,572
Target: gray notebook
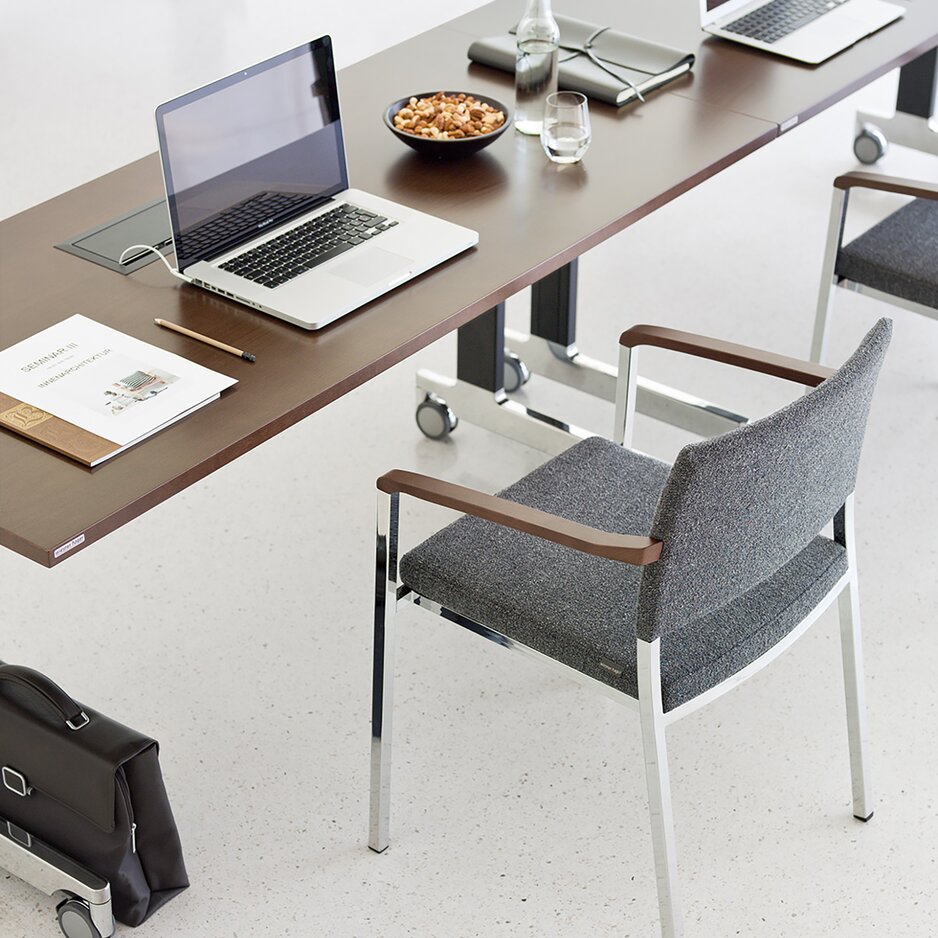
601,63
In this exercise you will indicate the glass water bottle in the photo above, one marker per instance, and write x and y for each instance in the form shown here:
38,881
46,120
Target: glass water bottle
535,65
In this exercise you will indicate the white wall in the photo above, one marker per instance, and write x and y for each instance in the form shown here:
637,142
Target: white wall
55,134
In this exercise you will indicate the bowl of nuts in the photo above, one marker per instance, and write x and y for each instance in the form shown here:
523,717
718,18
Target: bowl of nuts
447,124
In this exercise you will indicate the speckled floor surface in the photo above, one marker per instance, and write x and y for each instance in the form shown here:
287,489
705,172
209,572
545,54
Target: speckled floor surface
233,623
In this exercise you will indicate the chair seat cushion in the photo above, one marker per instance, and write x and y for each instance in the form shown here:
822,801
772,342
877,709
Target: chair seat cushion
581,609
899,256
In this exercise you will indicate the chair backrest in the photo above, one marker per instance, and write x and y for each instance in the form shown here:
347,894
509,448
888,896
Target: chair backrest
737,508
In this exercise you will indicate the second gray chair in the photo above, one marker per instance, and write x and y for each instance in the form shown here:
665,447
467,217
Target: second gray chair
895,261
727,569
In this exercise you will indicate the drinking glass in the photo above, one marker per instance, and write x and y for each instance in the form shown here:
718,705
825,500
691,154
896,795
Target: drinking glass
565,134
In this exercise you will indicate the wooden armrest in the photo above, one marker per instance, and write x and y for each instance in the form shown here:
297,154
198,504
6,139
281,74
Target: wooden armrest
742,356
919,188
626,548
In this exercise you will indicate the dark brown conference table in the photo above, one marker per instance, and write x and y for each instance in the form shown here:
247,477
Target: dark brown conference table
532,221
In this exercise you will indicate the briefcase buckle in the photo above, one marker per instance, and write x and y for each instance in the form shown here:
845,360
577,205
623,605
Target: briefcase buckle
17,834
15,782
79,723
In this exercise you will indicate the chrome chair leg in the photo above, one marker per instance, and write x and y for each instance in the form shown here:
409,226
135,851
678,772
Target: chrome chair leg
659,788
851,648
826,295
382,702
822,319
849,606
626,387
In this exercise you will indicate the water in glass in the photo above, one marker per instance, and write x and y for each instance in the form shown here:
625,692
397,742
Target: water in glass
565,135
535,77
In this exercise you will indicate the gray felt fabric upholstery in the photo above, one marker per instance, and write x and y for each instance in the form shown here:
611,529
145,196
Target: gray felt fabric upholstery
737,508
739,515
899,255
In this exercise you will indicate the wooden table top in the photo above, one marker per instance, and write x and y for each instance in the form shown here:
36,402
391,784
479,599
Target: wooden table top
733,76
532,217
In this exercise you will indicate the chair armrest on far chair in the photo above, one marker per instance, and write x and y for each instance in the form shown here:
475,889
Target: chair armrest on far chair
729,353
916,187
626,548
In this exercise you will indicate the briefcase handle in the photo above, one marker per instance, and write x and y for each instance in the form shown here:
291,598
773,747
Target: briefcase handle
71,713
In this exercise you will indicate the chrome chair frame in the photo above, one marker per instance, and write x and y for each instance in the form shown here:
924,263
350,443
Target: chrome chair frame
390,593
835,233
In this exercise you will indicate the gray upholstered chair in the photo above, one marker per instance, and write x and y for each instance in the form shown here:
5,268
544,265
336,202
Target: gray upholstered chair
895,261
733,568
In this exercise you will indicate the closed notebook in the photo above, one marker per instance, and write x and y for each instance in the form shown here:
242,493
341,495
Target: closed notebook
637,65
90,392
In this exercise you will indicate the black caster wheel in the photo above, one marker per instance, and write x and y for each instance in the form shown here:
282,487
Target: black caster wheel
516,372
75,920
435,419
870,145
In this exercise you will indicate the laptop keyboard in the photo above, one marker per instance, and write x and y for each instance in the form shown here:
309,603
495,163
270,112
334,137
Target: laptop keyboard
302,248
240,219
777,19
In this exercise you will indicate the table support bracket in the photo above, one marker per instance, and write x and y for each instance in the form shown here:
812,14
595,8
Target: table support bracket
913,124
599,379
477,394
495,412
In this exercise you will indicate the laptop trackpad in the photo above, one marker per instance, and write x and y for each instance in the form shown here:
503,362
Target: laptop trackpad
371,265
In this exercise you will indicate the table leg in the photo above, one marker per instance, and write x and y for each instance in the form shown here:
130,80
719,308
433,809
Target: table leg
918,82
480,349
913,124
477,394
550,351
553,309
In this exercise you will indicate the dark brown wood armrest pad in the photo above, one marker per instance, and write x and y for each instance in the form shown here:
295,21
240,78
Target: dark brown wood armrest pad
626,548
916,187
742,356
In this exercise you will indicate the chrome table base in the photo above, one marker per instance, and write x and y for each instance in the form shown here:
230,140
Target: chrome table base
493,410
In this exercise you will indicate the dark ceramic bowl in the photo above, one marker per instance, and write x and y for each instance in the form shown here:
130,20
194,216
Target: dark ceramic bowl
445,149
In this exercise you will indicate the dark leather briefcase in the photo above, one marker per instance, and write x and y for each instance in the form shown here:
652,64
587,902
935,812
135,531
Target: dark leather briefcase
91,788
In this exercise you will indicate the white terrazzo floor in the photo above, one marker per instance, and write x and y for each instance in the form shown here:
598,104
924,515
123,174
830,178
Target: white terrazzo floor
234,624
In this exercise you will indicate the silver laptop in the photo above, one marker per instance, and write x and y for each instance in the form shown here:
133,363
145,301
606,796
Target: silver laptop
807,30
259,199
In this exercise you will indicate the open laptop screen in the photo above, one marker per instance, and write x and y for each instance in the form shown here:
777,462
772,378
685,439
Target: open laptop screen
711,10
251,150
